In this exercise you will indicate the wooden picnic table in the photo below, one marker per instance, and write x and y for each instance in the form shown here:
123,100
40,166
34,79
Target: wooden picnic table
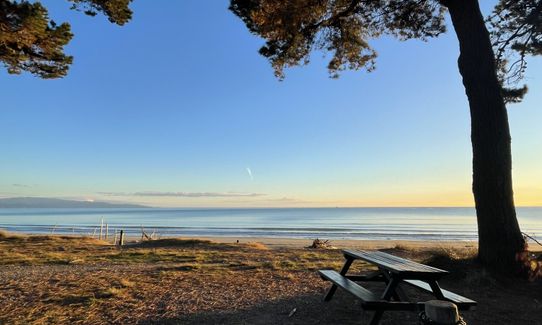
393,271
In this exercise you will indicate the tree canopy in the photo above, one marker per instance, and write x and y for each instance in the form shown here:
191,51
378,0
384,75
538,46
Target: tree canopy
516,28
293,29
30,41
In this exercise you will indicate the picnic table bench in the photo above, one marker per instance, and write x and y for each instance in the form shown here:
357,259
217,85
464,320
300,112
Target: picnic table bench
393,271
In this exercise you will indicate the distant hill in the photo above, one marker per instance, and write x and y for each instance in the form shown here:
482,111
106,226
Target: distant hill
44,203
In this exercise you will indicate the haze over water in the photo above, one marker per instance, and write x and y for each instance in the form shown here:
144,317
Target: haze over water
440,224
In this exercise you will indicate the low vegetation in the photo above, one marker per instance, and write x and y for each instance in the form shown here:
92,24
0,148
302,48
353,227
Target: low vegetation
62,279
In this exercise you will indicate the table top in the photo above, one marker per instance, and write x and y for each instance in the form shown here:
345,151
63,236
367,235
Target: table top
396,265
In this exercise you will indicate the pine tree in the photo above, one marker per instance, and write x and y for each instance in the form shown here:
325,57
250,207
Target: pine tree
293,29
30,41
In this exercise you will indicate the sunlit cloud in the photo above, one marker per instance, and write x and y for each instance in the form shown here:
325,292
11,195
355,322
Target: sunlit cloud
182,194
249,171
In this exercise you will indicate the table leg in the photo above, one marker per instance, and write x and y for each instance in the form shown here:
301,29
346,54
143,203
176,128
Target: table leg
376,317
333,288
436,290
388,293
398,294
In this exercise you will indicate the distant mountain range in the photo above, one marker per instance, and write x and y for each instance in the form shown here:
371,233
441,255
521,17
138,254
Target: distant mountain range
43,203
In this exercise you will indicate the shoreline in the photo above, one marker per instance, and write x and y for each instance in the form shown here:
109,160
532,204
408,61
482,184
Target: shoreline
273,242
299,243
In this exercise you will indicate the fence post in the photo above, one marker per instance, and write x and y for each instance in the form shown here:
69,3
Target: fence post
121,239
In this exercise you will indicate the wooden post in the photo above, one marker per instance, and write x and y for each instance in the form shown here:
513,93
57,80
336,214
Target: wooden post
101,228
442,312
121,239
115,239
106,230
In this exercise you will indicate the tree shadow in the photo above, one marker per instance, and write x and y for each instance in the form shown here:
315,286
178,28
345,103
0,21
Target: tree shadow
309,309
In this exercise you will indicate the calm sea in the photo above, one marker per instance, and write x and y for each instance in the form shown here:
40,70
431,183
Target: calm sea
329,223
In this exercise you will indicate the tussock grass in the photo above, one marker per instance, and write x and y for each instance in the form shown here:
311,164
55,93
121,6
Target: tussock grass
4,235
256,245
401,247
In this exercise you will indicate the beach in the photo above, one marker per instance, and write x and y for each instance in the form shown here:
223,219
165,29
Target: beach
298,243
69,279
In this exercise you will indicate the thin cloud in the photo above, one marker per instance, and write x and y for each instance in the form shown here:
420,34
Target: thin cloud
20,185
284,199
183,194
249,171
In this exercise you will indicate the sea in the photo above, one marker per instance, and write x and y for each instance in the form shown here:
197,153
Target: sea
436,224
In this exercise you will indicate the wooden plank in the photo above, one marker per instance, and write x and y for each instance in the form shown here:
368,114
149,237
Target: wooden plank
396,264
366,256
405,264
366,278
348,285
460,301
369,300
408,264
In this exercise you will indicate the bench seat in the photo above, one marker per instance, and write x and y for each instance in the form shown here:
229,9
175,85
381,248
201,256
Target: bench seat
462,303
369,300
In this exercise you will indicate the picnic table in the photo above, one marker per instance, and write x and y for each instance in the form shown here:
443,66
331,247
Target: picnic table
392,271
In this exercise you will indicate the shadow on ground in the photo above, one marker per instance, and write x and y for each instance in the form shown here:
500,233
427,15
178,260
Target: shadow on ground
310,309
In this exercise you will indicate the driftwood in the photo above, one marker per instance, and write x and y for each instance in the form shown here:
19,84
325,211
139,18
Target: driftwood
320,244
144,235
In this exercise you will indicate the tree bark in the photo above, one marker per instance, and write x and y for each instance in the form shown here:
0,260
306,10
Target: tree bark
499,235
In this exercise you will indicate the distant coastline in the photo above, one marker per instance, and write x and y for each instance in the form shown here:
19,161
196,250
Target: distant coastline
50,203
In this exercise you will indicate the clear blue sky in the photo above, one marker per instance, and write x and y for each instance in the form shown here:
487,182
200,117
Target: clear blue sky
179,103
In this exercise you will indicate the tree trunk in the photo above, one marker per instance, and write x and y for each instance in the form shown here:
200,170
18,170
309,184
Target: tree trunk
499,235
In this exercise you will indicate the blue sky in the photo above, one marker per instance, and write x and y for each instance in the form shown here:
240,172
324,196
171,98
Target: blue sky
173,108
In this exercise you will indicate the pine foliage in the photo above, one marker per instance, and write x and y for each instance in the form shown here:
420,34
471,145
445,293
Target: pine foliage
516,30
30,41
293,29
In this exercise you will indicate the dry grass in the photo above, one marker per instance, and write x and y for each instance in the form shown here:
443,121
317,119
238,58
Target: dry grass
55,279
81,280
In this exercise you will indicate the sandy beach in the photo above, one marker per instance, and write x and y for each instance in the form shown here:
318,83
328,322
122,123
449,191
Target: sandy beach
356,244
344,243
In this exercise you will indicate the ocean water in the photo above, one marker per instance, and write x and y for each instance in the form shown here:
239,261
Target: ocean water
329,223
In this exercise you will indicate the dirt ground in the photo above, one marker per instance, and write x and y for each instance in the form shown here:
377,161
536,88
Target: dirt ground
64,280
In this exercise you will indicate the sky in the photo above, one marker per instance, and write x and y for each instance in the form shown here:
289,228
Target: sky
177,109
